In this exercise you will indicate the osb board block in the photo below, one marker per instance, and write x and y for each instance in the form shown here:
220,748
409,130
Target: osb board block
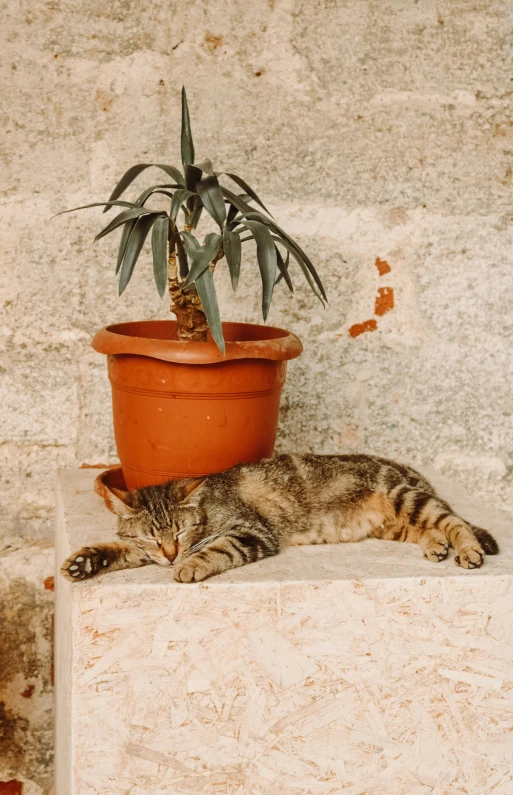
352,684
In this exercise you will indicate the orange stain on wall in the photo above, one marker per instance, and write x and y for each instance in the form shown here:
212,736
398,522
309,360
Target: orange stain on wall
361,328
382,266
12,787
384,301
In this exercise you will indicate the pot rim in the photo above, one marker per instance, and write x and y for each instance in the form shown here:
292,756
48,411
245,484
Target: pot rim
277,345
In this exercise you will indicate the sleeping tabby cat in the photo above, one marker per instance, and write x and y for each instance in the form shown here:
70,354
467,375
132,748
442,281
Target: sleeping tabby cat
209,525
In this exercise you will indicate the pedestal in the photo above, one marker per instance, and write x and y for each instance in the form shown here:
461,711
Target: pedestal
352,669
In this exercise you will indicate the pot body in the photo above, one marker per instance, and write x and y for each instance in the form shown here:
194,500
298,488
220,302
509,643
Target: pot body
176,419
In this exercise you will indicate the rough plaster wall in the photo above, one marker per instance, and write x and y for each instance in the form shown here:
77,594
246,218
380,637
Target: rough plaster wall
376,129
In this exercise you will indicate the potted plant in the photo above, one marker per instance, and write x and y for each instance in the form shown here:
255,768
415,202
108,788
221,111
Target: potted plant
195,396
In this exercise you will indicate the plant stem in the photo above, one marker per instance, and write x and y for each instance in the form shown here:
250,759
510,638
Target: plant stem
191,323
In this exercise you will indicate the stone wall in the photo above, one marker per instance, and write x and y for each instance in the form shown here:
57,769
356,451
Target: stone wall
381,134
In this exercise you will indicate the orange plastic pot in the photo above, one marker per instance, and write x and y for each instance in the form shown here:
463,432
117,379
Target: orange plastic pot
181,409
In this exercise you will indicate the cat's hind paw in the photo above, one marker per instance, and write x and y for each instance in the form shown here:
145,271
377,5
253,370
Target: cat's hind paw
471,557
86,563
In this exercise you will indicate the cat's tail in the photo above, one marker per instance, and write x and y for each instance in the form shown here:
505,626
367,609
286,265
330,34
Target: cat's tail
486,540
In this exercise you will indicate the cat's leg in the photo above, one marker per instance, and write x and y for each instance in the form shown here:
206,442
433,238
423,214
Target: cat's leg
429,521
228,551
90,561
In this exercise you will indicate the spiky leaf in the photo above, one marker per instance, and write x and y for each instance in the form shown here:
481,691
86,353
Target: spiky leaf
296,251
187,145
182,257
192,177
141,200
242,206
244,185
212,198
159,249
206,166
207,294
122,218
191,243
195,212
266,256
283,266
133,249
96,204
232,214
232,251
301,264
179,197
202,257
125,236
133,172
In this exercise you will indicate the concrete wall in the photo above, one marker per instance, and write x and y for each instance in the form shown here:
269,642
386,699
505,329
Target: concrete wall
379,131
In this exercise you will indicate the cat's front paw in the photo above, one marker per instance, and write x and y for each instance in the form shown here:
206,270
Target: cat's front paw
191,570
435,552
85,563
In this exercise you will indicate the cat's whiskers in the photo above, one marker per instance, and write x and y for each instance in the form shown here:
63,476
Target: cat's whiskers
199,545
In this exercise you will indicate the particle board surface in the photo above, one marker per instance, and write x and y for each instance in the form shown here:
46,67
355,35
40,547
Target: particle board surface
351,669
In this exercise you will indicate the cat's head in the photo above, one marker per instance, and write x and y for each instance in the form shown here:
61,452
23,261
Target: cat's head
162,520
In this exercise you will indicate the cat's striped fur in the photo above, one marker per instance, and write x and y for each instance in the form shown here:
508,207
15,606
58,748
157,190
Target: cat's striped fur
207,526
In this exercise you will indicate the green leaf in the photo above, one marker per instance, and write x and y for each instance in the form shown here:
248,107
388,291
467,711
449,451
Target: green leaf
159,249
125,235
249,190
154,189
232,214
202,257
191,243
302,265
192,177
122,218
283,266
179,197
292,247
182,257
242,206
187,145
212,198
171,171
266,256
207,293
255,215
95,204
195,212
232,251
133,249
134,172
206,166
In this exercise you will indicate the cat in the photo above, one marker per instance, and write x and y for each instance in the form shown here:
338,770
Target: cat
205,526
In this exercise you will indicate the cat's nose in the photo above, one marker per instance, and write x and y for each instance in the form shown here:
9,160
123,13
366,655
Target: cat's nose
170,549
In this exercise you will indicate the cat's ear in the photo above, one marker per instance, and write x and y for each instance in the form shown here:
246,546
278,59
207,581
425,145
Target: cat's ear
192,491
122,503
